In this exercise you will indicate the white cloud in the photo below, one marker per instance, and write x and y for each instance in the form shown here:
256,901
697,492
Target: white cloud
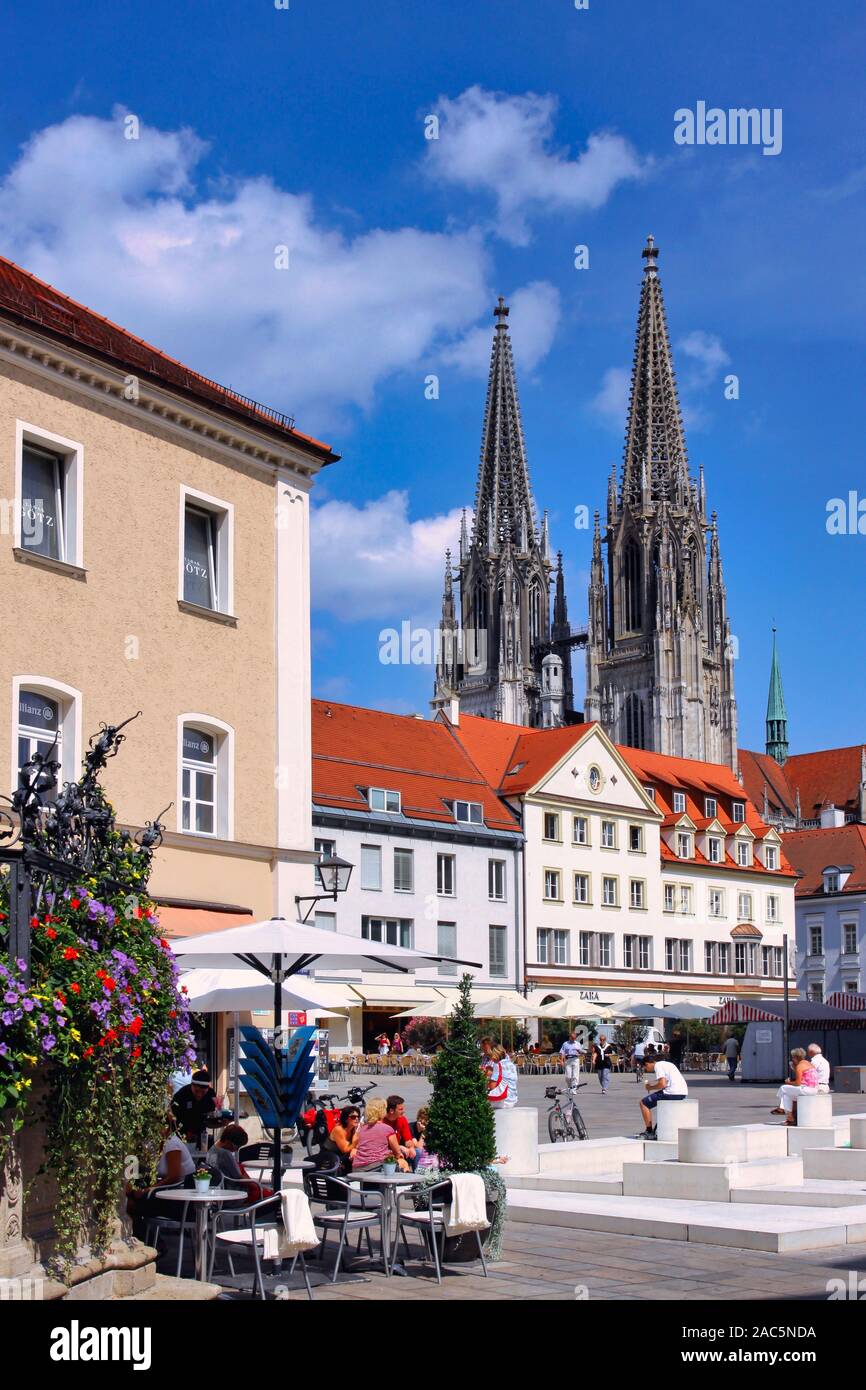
501,144
705,356
533,320
124,226
371,561
611,399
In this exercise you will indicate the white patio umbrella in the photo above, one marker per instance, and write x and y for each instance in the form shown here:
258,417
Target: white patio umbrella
685,1011
568,1007
278,950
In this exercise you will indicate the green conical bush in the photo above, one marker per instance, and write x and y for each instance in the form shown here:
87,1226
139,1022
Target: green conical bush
460,1128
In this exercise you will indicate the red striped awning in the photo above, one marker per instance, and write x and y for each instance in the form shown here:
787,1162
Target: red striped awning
736,1012
847,999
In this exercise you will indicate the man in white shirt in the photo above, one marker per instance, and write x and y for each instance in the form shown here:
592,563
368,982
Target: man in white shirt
821,1066
571,1053
663,1081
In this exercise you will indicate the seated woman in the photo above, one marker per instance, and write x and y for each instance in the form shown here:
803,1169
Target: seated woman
377,1141
175,1167
223,1158
342,1142
802,1082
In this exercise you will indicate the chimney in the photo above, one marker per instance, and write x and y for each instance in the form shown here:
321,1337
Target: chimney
452,709
831,817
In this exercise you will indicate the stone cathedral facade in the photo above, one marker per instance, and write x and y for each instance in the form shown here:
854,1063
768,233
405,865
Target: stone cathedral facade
503,654
659,659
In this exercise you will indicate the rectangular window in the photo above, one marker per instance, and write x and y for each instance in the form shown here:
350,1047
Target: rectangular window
628,955
383,800
199,781
585,948
392,931
200,584
724,956
709,957
580,830
446,945
671,953
716,902
849,938
816,993
551,825
469,812
766,960
740,964
40,729
771,857
608,834
605,949
778,961
551,884
635,839
560,947
684,845
711,807
753,958
686,899
744,907
542,947
685,955
651,793
679,803
831,882
637,897
670,897
446,875
496,880
609,892
371,867
404,874
816,941
325,849
325,921
715,850
496,936
581,888
744,854
644,950
739,809
43,503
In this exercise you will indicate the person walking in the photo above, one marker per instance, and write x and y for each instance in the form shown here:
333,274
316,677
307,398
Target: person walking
603,1053
571,1053
731,1049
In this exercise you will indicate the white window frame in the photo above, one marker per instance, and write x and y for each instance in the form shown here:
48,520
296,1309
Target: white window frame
744,854
543,943
368,887
723,952
684,838
441,876
644,952
69,701
499,934
72,453
771,852
584,878
738,812
640,884
224,769
584,822
714,849
640,839
400,857
716,894
386,793
557,897
711,807
844,928
773,906
469,819
605,880
224,567
669,892
686,908
561,951
608,824
496,870
679,803
551,839
746,915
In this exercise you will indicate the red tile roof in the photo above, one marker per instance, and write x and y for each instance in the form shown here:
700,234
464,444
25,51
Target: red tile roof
354,749
829,777
31,301
813,851
514,758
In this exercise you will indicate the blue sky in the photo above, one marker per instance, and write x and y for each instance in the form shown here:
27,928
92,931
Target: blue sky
304,127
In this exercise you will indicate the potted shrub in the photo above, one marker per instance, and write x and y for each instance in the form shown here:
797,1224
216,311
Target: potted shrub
460,1130
201,1178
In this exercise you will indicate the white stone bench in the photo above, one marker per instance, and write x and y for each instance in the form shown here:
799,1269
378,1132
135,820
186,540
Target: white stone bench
672,1116
517,1138
720,1144
858,1131
815,1112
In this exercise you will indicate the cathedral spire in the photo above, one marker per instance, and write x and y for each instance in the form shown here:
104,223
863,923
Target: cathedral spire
655,462
503,497
777,716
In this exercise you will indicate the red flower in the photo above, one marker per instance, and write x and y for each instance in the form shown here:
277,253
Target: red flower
76,989
34,921
74,902
88,1052
163,943
70,953
172,1013
50,933
62,998
109,984
135,1026
100,974
184,990
136,1052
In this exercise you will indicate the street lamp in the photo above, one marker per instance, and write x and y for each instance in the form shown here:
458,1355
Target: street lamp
333,874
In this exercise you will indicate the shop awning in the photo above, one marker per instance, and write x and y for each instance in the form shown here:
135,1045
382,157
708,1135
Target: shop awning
195,920
847,999
401,996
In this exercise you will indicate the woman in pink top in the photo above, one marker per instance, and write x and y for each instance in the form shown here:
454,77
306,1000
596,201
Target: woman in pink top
377,1142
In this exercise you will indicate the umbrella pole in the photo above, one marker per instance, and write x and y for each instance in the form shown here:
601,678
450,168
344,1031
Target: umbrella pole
237,1068
277,1175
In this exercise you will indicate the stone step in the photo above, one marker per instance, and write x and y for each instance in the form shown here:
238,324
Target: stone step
707,1182
815,1112
835,1163
654,1151
858,1132
589,1156
815,1192
611,1183
801,1139
732,1143
743,1226
166,1287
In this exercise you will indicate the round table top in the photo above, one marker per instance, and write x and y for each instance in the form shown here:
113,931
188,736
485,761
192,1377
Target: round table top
381,1177
214,1194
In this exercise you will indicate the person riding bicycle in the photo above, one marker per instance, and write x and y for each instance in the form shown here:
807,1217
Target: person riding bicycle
571,1053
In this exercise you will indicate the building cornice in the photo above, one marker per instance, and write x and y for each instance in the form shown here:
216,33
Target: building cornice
97,382
511,840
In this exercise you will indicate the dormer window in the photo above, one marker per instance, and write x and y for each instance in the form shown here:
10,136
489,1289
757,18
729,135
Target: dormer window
771,857
714,849
684,845
469,812
679,803
831,881
651,793
739,812
744,854
711,807
382,800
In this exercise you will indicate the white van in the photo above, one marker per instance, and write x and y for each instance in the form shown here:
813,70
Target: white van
651,1035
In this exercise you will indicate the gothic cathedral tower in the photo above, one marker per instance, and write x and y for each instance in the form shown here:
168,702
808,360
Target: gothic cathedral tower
504,659
659,663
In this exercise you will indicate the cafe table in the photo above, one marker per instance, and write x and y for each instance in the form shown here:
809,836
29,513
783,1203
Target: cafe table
390,1185
203,1202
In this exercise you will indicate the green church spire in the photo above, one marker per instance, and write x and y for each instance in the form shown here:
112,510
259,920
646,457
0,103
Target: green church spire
777,715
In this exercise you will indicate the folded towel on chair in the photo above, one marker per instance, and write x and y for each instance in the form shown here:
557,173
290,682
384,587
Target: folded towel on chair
467,1211
297,1232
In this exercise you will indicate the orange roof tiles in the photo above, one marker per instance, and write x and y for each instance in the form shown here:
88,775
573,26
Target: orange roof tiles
32,301
813,851
355,749
829,777
512,757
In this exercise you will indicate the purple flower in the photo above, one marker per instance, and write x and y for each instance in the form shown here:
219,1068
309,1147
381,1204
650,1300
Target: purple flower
28,1005
7,1017
10,997
49,1042
58,1006
3,1049
45,1020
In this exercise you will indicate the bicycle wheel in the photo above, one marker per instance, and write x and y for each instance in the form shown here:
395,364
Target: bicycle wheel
582,1131
555,1127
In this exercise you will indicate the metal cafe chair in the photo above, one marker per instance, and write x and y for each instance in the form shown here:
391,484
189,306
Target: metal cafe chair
250,1235
342,1210
430,1221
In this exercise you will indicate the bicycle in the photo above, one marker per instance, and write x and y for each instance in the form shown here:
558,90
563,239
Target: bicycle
564,1121
323,1110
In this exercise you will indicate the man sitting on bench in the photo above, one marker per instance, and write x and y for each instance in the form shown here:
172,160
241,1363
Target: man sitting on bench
663,1081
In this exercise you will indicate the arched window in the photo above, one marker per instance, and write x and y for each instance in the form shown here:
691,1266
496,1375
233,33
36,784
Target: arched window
632,574
46,715
535,632
633,719
205,776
